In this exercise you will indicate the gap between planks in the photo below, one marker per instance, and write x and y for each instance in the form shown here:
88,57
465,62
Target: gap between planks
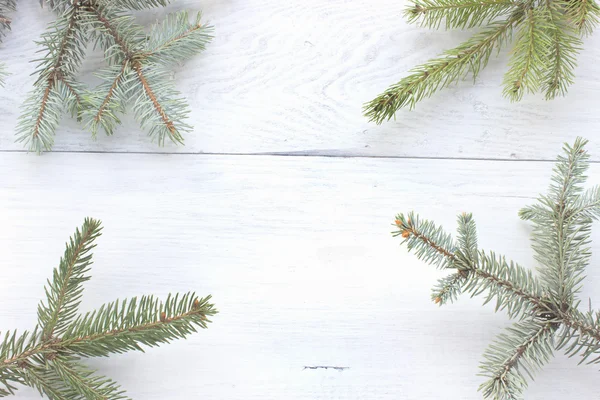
311,153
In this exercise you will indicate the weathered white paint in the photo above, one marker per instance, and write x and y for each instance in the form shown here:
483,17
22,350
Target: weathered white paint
298,255
291,76
295,250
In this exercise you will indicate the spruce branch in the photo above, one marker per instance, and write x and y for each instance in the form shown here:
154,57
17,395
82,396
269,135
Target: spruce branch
584,14
103,106
134,4
48,359
562,224
512,287
45,381
470,57
525,67
422,236
119,327
467,238
136,74
548,39
3,74
43,108
457,14
448,288
545,306
83,382
176,39
6,7
65,290
514,357
66,379
560,60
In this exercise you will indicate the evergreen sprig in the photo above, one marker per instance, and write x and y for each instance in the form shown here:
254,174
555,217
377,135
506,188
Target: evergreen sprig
548,37
545,306
137,73
6,6
49,358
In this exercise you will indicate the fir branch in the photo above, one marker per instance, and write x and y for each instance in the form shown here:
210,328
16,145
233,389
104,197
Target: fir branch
470,57
586,206
83,382
561,232
513,287
421,236
581,336
48,359
15,348
133,4
72,94
102,106
46,382
116,32
158,106
65,291
467,239
543,58
6,6
136,71
546,309
522,350
122,326
177,39
560,60
448,288
457,13
3,74
57,6
584,14
43,108
525,67
66,379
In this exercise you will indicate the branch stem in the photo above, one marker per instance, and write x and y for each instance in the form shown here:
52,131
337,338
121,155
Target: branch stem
520,350
63,345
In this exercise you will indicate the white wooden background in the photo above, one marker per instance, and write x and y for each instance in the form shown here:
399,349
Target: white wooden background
281,204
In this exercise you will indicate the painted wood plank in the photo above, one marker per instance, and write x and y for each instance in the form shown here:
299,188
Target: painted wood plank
292,77
298,255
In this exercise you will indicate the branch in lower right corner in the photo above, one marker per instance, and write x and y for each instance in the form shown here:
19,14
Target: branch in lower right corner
520,351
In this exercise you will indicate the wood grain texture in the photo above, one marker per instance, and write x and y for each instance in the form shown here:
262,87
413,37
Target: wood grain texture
291,77
299,258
